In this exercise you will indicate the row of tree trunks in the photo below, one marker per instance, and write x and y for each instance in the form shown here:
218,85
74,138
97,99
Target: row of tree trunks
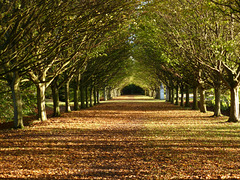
234,114
81,92
170,95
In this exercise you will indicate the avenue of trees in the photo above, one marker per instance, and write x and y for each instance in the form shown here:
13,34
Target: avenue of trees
77,49
74,44
190,45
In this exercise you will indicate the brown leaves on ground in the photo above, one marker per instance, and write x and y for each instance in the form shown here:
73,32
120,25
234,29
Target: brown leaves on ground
123,139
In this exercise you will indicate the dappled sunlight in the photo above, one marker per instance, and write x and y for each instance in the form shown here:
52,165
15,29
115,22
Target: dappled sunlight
123,141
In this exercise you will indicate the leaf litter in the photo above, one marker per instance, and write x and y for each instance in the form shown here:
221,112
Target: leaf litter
137,139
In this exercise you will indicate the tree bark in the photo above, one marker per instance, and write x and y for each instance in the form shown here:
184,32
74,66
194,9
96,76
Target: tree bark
109,93
86,96
169,94
172,96
177,96
55,95
67,97
234,109
90,96
195,98
82,94
76,93
203,107
182,95
95,95
17,101
41,101
217,106
157,93
187,104
98,96
105,93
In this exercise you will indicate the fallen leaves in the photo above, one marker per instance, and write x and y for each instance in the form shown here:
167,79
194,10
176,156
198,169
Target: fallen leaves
124,140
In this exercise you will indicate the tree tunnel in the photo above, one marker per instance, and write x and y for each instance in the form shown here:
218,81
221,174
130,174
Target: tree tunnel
132,89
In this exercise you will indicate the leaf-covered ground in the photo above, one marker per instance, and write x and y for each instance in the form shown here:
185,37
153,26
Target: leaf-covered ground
126,138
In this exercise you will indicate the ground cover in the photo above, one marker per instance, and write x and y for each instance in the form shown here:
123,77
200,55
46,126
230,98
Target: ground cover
131,137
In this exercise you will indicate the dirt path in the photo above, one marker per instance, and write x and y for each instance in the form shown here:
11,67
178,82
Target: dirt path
125,138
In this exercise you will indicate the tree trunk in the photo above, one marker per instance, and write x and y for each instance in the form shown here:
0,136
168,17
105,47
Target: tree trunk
157,93
67,97
17,101
55,95
76,93
187,104
82,95
177,96
90,96
105,93
195,98
95,95
172,96
169,94
98,96
234,109
203,107
182,95
86,96
41,101
109,93
217,106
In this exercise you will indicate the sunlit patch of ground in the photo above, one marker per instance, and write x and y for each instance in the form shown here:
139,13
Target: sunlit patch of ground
139,138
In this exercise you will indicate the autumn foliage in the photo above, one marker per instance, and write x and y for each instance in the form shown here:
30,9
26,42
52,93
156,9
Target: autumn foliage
126,138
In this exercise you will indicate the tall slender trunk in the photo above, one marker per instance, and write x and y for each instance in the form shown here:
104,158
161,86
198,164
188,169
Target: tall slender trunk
169,94
217,93
17,101
203,107
86,96
187,104
157,93
90,96
55,95
41,101
172,96
234,109
82,94
177,96
95,95
76,93
105,93
67,97
109,93
195,98
98,96
182,95
217,106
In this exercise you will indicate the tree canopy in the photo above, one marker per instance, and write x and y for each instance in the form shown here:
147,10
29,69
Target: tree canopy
91,47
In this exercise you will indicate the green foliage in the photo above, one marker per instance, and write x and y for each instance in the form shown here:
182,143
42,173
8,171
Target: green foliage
225,99
6,107
29,101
